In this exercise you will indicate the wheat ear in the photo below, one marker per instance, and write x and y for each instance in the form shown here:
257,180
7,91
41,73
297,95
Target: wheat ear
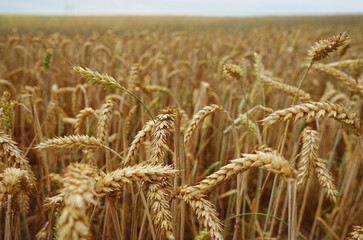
198,118
269,161
324,47
206,213
164,124
315,110
113,181
140,136
80,118
78,189
158,193
104,120
326,179
310,141
356,234
15,182
291,90
14,156
71,142
342,76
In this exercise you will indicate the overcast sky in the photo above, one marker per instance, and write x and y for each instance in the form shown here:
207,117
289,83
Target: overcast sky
181,7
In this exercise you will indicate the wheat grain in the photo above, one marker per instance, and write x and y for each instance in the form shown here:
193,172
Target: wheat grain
356,234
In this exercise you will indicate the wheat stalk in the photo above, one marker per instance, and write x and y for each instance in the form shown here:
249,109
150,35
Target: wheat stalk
315,110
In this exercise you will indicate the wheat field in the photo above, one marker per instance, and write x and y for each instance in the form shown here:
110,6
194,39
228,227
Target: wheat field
181,128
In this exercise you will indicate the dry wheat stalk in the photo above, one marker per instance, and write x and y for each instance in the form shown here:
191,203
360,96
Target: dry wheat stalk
291,90
356,234
198,118
342,76
310,141
140,136
71,142
315,110
270,161
206,213
78,190
80,118
326,46
326,179
113,181
104,120
16,183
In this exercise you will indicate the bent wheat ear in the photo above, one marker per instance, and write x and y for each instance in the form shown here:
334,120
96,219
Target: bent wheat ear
104,120
326,179
315,110
206,213
78,190
140,136
233,71
324,47
310,141
342,76
113,181
291,90
164,124
269,161
198,118
80,118
159,197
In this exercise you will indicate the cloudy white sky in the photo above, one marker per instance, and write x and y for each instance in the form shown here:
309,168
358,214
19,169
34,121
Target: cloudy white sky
182,7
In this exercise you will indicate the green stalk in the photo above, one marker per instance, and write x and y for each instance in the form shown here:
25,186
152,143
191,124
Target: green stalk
139,102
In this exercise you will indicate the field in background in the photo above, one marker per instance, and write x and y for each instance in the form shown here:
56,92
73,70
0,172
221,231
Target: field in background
179,62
